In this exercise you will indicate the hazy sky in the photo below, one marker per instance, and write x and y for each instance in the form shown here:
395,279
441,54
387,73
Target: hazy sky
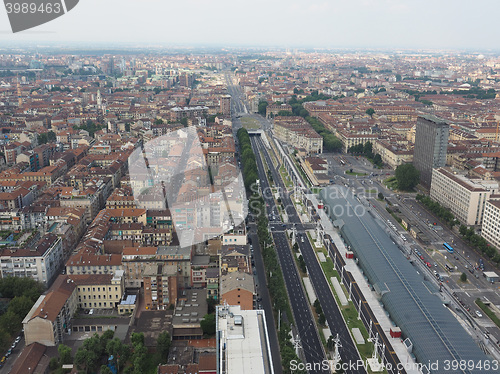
440,24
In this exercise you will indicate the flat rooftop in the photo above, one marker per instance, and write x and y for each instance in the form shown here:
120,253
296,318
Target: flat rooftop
243,345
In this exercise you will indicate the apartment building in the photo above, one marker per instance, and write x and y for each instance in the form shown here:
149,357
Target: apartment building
91,263
237,288
42,262
160,286
87,199
49,320
350,139
392,155
490,230
99,291
465,197
135,260
299,133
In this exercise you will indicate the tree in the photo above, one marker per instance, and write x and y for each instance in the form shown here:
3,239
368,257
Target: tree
330,343
463,278
370,112
163,346
212,303
322,319
105,370
53,363
137,338
11,322
51,136
262,108
407,177
64,354
118,350
184,121
127,127
42,138
377,160
85,359
20,305
380,196
398,77
368,148
208,324
317,307
139,358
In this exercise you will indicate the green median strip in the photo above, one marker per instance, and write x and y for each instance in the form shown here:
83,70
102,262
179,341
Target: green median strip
491,314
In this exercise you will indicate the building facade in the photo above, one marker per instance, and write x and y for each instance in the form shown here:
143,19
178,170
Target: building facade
491,221
41,263
431,144
466,198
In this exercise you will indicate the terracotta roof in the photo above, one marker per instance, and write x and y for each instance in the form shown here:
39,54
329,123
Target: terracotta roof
29,358
88,279
55,299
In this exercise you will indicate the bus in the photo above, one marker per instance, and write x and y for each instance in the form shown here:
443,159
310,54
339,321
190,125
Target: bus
448,247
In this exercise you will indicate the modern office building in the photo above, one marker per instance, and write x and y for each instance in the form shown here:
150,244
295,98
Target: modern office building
431,143
242,341
490,229
465,197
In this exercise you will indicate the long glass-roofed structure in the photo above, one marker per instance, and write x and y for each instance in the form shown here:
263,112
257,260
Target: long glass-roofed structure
411,302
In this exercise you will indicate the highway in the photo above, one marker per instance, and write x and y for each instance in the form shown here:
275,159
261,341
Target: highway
348,352
263,293
312,348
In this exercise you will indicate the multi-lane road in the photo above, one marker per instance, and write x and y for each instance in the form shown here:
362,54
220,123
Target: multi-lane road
336,323
312,348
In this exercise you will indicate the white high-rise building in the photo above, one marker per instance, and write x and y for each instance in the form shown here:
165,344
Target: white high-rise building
466,198
491,221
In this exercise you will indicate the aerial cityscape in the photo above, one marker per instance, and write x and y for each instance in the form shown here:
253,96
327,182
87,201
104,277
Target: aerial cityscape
236,204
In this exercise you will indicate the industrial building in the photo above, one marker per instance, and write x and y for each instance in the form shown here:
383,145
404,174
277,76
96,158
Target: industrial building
430,331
